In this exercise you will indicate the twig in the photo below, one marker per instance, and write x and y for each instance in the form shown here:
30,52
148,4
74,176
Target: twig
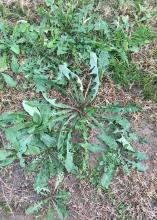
7,203
86,92
4,184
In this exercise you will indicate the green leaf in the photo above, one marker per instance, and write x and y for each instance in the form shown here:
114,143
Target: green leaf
51,43
69,165
2,47
14,65
59,212
4,154
9,80
12,116
61,47
64,71
77,87
108,140
57,113
103,60
50,214
3,63
102,25
95,148
95,82
41,180
23,26
131,108
25,141
93,63
32,150
48,140
33,111
57,119
49,2
30,109
139,167
63,133
134,49
107,178
59,179
34,208
11,136
123,55
125,45
114,107
7,161
141,156
41,82
15,48
123,122
54,104
33,165
2,26
126,144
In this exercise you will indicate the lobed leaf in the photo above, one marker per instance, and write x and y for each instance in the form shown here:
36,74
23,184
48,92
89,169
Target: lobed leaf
54,104
126,144
32,150
7,161
108,140
9,80
69,165
3,63
15,48
34,208
95,81
4,154
141,156
63,130
75,81
50,214
32,110
48,140
107,178
14,65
